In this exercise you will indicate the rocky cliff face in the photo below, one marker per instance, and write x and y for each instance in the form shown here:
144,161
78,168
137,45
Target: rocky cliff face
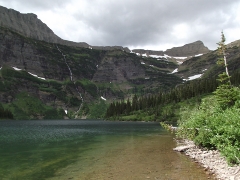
30,26
110,48
148,52
16,51
26,24
234,43
190,49
118,70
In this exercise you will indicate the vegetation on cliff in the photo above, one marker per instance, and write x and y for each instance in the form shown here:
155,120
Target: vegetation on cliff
5,113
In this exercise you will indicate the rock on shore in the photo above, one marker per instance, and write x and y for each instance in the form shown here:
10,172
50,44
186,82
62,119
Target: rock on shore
211,160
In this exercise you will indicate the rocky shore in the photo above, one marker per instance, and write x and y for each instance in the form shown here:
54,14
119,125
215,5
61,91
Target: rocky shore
211,160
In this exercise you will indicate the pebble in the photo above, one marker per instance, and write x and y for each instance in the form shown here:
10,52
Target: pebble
211,160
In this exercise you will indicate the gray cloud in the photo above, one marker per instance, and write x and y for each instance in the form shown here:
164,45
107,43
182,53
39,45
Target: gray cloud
33,5
144,23
137,23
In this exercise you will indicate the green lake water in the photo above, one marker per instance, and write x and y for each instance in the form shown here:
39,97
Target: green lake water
91,150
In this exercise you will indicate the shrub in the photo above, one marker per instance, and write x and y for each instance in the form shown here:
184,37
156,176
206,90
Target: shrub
211,127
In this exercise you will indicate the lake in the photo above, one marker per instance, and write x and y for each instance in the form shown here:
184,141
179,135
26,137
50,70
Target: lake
91,150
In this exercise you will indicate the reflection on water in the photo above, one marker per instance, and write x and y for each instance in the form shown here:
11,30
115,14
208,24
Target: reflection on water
80,149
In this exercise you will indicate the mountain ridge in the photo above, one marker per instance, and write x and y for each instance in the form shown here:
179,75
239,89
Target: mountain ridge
53,74
190,49
30,26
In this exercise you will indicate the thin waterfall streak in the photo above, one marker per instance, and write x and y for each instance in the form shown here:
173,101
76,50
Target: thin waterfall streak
71,78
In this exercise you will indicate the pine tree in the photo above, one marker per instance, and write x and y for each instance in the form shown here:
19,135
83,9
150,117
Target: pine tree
135,103
128,107
222,60
226,94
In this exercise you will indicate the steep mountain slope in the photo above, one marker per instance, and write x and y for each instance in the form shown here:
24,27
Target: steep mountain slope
54,75
206,65
190,49
43,76
30,26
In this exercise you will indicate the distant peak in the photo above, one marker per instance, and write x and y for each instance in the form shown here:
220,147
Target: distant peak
186,50
190,49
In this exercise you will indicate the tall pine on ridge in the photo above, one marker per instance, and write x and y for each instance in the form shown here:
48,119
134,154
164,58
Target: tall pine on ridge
225,94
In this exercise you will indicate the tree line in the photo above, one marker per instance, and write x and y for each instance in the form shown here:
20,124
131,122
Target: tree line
181,92
5,113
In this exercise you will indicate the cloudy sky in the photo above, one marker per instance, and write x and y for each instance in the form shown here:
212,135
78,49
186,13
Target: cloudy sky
149,24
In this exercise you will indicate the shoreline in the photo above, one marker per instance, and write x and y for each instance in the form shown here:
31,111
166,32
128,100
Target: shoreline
212,161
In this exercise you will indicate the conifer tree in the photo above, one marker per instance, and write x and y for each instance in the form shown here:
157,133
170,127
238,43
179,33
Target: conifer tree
226,94
222,60
135,103
128,107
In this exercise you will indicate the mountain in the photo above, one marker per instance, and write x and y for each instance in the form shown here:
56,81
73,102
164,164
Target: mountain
42,76
187,50
30,26
234,43
45,77
205,66
190,49
63,77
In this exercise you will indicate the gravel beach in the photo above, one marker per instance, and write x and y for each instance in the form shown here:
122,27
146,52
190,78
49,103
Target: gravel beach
211,160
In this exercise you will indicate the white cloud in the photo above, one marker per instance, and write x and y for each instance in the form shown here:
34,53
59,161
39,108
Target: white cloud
181,31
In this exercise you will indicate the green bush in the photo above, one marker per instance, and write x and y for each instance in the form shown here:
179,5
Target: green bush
212,127
26,106
97,110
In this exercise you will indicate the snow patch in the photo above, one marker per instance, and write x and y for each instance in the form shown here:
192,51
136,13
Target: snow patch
151,65
204,70
198,55
147,77
175,70
103,98
0,68
142,62
36,76
17,69
175,57
139,54
180,57
155,56
66,111
179,62
90,47
166,56
193,77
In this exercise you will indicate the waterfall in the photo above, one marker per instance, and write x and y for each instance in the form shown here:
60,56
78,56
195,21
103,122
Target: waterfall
71,78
